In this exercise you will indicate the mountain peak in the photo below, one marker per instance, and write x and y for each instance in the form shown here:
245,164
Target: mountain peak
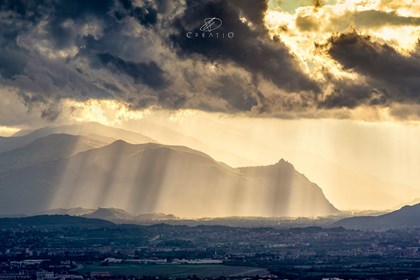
282,161
119,142
285,165
109,213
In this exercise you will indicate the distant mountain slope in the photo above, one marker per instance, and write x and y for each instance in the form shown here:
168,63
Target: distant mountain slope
410,203
95,131
77,211
119,216
406,217
48,148
10,143
110,214
155,217
114,215
150,178
296,187
53,221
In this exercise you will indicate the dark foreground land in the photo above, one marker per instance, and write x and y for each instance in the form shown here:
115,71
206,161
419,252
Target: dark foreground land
64,247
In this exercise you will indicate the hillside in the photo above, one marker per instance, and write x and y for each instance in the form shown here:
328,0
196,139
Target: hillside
406,217
152,178
53,221
48,148
92,130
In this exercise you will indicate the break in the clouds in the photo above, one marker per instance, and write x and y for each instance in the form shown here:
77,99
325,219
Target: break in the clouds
324,55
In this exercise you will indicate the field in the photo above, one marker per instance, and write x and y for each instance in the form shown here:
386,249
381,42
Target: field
174,270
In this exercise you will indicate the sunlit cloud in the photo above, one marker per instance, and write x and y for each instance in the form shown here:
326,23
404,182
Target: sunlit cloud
108,112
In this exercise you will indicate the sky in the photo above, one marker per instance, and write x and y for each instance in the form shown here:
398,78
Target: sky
331,86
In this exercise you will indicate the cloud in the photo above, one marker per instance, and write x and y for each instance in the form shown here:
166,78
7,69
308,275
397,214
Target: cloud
147,73
375,18
137,53
406,111
251,48
387,71
55,50
307,22
327,19
236,92
317,4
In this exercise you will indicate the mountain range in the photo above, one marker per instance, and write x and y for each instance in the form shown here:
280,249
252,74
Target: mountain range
406,217
53,221
94,131
50,168
114,215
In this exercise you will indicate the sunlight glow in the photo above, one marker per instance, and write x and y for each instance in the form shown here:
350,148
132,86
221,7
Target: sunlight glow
334,18
7,131
108,112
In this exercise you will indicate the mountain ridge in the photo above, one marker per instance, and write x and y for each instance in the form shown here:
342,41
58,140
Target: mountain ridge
92,130
54,221
151,177
405,217
46,148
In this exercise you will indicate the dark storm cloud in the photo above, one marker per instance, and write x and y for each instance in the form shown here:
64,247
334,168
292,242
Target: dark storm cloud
147,73
136,52
393,75
405,111
235,92
15,18
146,15
251,47
350,94
50,113
12,62
33,32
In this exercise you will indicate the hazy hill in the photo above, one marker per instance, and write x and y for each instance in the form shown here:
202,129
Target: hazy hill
406,217
168,136
110,214
48,148
95,131
410,203
53,221
150,178
296,187
114,215
119,216
155,217
77,211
